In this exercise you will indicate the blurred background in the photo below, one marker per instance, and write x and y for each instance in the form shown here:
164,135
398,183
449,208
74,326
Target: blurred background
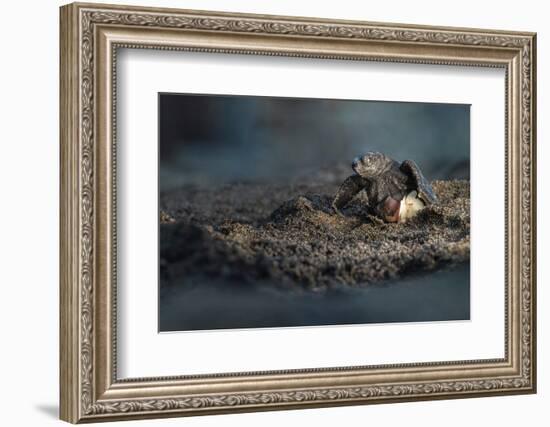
206,138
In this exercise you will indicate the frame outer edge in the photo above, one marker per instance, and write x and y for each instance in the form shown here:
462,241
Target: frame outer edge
68,227
533,207
296,19
77,340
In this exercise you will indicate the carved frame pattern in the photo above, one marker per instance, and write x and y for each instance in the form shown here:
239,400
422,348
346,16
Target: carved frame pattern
81,24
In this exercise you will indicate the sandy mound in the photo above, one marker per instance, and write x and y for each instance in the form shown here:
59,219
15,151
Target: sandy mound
290,236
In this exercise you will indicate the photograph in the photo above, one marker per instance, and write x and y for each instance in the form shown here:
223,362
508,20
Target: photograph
294,212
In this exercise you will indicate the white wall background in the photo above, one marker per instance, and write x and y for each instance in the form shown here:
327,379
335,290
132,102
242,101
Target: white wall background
29,170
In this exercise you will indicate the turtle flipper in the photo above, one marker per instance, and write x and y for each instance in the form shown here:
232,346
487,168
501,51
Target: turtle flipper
347,191
423,187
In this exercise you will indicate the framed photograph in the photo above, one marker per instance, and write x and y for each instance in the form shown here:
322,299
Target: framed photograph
266,212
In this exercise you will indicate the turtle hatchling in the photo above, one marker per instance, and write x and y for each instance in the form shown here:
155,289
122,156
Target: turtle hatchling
396,192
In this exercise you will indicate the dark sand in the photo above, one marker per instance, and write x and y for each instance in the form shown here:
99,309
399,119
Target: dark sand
287,235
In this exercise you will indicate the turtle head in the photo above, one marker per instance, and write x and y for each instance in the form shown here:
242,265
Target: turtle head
371,164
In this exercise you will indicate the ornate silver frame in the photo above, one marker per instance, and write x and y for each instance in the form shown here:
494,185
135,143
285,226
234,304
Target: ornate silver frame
90,36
